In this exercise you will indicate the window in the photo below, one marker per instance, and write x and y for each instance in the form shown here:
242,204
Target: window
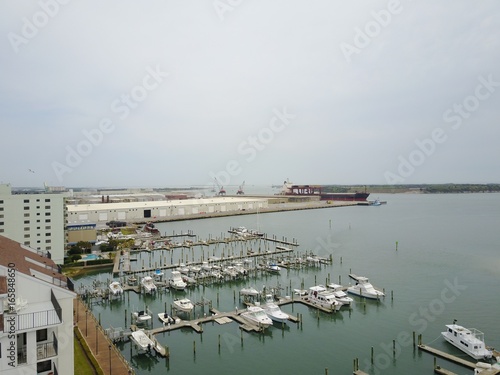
26,207
1,230
47,220
44,366
47,214
47,227
26,201
47,200
48,241
47,207
37,207
26,221
1,208
48,248
26,228
1,222
26,236
47,234
41,335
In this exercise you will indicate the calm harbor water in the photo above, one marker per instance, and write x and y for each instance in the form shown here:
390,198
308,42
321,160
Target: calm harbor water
447,266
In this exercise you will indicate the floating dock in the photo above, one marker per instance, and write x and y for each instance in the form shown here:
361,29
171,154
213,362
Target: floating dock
447,356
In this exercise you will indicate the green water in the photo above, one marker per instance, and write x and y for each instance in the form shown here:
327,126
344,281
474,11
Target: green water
447,266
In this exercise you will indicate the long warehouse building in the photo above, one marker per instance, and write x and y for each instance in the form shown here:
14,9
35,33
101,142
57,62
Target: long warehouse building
159,210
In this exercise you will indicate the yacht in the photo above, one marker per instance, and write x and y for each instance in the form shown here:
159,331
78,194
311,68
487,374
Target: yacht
319,295
256,315
468,340
273,310
148,284
183,304
340,295
176,281
364,288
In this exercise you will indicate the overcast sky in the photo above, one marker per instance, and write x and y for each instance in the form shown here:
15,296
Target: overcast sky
173,93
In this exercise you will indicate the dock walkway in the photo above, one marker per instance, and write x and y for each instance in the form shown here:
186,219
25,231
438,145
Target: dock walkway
103,350
447,356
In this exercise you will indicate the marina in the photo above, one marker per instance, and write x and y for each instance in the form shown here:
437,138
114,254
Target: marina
214,330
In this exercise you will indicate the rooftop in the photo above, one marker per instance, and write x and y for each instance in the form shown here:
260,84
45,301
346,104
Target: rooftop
29,262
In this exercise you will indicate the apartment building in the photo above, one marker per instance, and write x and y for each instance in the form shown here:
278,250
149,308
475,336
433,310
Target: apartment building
35,219
36,313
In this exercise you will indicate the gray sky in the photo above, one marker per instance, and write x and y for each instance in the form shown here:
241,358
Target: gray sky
170,93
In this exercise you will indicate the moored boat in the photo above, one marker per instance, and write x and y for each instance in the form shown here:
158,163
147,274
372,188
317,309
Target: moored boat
148,284
273,310
165,318
468,340
143,343
115,288
340,295
364,288
176,281
257,316
183,304
141,316
249,291
319,295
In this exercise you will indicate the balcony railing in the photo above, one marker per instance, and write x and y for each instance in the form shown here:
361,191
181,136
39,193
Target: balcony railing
36,319
46,350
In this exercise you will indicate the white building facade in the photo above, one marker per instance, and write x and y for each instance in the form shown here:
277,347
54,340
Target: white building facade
159,210
36,317
35,220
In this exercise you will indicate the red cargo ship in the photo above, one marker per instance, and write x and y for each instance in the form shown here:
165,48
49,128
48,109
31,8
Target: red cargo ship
316,190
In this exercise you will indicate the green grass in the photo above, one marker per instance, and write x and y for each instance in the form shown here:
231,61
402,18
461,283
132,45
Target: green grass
82,364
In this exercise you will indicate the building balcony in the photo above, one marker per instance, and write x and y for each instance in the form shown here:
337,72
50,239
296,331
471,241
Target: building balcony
46,350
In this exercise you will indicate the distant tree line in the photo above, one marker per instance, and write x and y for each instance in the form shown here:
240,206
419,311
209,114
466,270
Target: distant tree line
421,188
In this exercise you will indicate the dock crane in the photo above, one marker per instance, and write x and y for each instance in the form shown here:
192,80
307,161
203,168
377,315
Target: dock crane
220,187
240,189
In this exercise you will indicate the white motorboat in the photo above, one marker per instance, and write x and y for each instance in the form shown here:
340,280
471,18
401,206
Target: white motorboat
273,268
183,269
158,275
468,340
176,281
319,295
249,291
141,316
231,272
143,343
273,310
340,295
487,368
183,304
238,267
257,316
364,288
165,318
148,284
115,288
132,280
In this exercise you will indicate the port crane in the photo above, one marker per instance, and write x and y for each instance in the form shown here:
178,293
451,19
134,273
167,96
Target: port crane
240,189
220,187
